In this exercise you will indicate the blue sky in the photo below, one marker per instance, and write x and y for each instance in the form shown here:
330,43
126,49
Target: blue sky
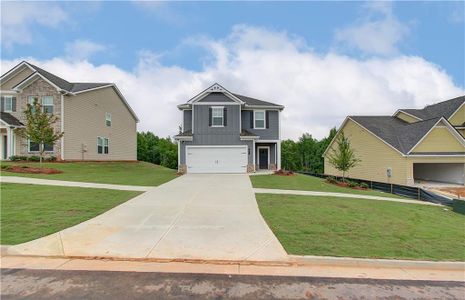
191,37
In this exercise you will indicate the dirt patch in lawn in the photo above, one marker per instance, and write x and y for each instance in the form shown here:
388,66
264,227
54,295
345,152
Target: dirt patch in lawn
455,191
30,170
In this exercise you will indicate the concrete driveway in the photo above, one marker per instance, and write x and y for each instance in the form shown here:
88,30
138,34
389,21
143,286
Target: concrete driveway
192,217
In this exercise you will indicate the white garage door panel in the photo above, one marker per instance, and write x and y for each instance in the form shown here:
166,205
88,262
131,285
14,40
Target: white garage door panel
225,159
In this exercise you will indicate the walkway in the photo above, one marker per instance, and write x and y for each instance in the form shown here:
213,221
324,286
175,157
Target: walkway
28,180
343,195
195,216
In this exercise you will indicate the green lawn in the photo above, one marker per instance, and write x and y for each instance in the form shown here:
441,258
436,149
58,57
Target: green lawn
330,226
130,173
32,211
307,183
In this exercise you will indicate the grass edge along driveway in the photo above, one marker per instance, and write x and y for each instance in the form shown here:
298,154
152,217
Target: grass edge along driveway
308,183
331,226
127,173
30,211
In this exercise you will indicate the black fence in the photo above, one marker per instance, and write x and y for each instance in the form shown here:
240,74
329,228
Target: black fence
411,192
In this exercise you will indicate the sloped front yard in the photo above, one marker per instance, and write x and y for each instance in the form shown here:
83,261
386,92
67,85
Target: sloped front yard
127,173
29,212
329,226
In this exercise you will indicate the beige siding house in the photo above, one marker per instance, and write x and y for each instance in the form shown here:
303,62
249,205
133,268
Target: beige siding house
98,122
412,146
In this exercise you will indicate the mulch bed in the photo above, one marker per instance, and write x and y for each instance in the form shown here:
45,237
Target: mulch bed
31,170
284,173
456,191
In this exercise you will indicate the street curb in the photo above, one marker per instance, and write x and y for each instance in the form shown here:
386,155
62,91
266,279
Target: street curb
377,263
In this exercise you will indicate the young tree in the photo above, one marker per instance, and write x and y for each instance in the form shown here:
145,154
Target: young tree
343,157
40,127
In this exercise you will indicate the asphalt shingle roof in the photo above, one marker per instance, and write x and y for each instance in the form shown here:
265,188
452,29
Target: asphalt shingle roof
253,101
442,109
396,132
10,119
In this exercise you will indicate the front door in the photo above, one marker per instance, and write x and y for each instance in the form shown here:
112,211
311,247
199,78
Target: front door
263,158
4,147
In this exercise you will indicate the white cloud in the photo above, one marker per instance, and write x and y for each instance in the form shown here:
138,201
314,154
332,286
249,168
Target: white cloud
82,49
378,32
19,18
317,90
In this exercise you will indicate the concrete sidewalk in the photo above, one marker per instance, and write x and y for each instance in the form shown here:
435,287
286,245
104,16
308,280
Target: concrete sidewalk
396,271
343,195
28,180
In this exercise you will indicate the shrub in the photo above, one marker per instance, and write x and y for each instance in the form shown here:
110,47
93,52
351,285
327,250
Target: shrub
17,158
351,183
364,185
331,179
33,158
5,167
51,158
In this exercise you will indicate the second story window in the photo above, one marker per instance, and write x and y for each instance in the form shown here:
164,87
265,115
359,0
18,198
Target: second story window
217,116
108,119
259,119
47,104
32,100
8,103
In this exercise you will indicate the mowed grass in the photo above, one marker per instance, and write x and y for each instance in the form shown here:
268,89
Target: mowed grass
29,212
308,183
330,226
129,173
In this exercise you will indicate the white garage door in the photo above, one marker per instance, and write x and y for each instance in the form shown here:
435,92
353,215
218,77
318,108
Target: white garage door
216,159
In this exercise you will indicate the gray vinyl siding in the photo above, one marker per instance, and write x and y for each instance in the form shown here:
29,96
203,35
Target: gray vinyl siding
216,97
187,119
216,135
271,133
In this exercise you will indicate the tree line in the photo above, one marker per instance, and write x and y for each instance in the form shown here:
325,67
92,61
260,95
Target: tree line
305,154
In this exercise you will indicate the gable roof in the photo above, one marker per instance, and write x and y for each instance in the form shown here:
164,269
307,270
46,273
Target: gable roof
66,86
397,133
442,109
10,120
243,100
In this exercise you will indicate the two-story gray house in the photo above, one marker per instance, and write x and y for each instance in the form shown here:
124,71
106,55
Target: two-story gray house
223,132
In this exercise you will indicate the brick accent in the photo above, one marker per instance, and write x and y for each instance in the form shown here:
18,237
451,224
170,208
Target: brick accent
38,88
272,167
182,169
250,168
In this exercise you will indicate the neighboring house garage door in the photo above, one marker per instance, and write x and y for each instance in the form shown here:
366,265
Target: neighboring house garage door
216,159
447,172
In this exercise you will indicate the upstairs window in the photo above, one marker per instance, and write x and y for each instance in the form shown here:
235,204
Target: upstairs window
47,104
259,119
102,145
217,116
32,100
108,119
8,103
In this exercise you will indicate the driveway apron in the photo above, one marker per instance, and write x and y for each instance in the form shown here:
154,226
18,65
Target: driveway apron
201,216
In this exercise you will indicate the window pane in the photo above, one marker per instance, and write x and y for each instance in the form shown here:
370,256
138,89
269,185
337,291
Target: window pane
106,149
8,103
99,141
99,149
259,115
259,123
47,100
48,147
33,147
217,112
105,142
217,121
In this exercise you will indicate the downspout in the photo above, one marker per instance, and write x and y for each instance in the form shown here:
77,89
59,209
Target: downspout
62,121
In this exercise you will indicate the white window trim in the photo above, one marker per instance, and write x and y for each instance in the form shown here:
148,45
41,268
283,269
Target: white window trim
11,103
103,145
107,114
222,116
255,119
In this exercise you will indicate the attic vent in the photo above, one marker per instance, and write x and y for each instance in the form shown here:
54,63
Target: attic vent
216,88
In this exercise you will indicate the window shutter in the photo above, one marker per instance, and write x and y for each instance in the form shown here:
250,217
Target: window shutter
13,104
251,119
267,117
2,103
209,116
225,118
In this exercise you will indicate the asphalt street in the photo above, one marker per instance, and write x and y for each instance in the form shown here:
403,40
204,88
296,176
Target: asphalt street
54,284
